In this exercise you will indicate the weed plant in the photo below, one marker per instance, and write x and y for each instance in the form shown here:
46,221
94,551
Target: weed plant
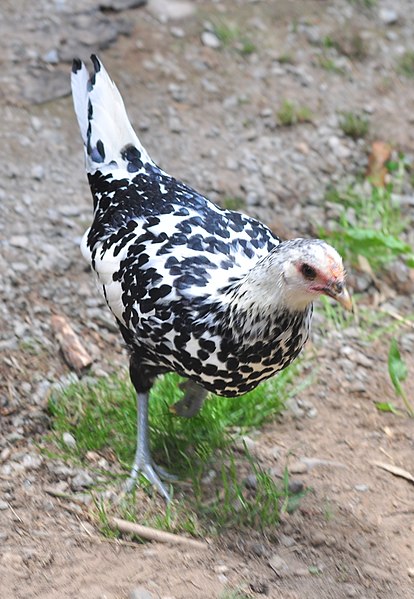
101,415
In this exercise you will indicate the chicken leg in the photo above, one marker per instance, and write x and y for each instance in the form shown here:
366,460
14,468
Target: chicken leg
143,462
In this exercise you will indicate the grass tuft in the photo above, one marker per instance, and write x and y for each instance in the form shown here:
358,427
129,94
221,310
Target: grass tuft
101,416
354,125
231,36
290,114
371,223
406,64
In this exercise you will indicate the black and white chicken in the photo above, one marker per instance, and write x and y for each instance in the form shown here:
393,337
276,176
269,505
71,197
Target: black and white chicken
208,293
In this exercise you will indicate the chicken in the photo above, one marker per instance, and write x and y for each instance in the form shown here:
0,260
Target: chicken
208,293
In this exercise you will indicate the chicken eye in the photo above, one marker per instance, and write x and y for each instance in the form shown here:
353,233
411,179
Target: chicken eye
308,272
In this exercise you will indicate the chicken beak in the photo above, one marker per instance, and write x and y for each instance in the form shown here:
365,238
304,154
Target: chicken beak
341,294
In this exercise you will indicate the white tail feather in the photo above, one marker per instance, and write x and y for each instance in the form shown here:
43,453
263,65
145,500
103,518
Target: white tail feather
102,118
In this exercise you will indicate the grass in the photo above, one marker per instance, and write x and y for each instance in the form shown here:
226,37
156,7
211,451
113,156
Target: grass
101,416
291,114
231,36
371,223
328,64
398,372
354,125
233,203
406,64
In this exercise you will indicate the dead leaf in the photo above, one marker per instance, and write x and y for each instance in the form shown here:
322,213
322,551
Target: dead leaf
395,470
377,170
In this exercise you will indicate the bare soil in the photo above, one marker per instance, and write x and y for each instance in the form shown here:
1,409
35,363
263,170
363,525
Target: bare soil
208,116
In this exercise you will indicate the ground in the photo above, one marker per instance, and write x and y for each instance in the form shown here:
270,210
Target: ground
209,116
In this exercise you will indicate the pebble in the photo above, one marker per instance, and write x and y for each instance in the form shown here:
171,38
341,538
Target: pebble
317,538
286,540
361,488
140,593
388,16
38,172
410,572
279,566
295,486
3,505
69,440
298,468
51,57
209,39
81,481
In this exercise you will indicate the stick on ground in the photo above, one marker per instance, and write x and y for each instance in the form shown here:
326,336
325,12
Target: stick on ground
153,534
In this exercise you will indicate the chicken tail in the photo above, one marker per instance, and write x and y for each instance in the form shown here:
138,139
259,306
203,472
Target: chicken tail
107,134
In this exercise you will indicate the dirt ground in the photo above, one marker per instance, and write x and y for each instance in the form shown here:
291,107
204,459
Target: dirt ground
207,115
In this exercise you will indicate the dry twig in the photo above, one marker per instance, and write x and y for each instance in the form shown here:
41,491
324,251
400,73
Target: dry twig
153,534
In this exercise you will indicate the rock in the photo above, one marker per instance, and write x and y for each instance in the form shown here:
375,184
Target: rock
51,57
32,461
210,40
410,572
362,488
177,32
81,481
278,565
260,587
350,590
298,468
140,593
69,440
317,538
119,5
3,505
286,540
258,549
250,481
295,486
165,10
388,16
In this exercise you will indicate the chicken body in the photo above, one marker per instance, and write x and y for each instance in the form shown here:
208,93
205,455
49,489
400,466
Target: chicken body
205,292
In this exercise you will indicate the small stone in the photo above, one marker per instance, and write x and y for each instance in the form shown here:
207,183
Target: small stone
286,540
177,32
350,590
175,125
258,549
260,587
32,461
278,565
51,57
295,486
221,569
81,481
210,40
165,10
19,241
362,488
69,440
317,538
3,505
410,572
298,468
140,593
37,172
250,481
388,16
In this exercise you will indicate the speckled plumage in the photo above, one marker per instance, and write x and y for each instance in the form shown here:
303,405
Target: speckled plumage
170,261
195,289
